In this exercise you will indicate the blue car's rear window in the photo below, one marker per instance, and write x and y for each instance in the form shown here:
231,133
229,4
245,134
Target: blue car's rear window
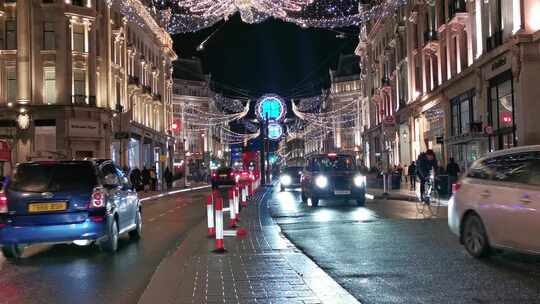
54,177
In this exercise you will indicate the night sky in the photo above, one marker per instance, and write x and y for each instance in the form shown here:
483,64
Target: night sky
271,57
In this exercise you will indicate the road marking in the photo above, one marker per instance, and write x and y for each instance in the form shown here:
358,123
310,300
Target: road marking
172,192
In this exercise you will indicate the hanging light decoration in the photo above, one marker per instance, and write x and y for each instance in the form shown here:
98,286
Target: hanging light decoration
193,15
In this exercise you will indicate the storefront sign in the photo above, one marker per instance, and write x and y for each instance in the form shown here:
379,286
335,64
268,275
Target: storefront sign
121,135
83,128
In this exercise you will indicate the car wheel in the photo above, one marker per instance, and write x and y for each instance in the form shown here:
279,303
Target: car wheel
136,233
474,237
110,245
314,202
12,252
304,198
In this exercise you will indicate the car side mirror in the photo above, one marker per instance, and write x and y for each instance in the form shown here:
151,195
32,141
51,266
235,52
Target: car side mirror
111,180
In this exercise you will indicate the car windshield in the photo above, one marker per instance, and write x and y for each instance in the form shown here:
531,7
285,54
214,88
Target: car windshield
332,163
57,177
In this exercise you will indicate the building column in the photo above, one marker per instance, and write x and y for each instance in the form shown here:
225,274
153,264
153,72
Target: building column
24,79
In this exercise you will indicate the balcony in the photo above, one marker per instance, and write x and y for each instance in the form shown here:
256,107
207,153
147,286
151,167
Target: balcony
431,40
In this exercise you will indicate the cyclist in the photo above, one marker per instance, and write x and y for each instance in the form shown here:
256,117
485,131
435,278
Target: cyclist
425,165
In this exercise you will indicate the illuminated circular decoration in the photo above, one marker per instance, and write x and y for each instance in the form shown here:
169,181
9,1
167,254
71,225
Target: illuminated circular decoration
275,131
272,105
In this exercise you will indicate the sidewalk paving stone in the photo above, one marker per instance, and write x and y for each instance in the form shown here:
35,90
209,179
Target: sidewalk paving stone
263,267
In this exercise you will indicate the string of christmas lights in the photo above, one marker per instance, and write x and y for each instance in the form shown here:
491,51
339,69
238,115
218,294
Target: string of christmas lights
193,15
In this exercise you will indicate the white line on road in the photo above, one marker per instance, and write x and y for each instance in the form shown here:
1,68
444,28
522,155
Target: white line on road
153,197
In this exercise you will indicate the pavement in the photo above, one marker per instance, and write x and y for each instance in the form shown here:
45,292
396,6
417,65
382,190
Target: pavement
387,253
263,267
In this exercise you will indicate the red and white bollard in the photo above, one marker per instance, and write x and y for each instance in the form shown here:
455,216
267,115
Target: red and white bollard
219,245
243,189
210,215
237,202
232,209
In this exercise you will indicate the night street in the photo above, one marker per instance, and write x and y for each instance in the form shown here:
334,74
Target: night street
269,151
88,275
386,253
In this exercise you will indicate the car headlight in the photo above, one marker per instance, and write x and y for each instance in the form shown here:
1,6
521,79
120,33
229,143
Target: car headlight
321,181
359,180
285,180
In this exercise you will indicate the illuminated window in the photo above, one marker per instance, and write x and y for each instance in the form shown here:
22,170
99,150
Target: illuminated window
11,84
78,38
49,85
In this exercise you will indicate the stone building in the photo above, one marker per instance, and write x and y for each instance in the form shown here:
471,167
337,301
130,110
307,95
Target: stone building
81,79
455,76
344,100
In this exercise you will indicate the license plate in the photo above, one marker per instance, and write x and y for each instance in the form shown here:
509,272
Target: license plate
47,207
223,175
342,192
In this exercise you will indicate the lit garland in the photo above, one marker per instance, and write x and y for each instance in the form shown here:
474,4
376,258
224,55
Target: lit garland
193,15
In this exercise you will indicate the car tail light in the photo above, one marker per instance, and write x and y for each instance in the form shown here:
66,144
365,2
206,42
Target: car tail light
97,218
214,175
231,174
3,203
98,199
456,187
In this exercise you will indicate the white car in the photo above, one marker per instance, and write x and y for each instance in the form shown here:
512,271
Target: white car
497,203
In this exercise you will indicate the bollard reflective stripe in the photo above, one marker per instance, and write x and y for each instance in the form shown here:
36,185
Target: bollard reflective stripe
237,203
219,245
232,211
210,215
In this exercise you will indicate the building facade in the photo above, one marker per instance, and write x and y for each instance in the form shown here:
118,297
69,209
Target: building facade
344,101
78,79
454,76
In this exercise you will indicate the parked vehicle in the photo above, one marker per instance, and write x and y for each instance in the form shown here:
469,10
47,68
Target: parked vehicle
223,177
332,176
290,177
497,203
77,202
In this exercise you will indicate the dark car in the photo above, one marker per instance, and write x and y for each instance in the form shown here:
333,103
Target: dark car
223,177
290,177
332,176
77,202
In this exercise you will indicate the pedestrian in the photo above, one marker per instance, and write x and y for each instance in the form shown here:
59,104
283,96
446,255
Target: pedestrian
453,170
153,178
406,173
167,178
145,179
412,175
135,179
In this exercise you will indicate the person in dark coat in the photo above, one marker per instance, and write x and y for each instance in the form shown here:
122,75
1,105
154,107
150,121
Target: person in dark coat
168,178
412,175
145,174
135,179
425,165
452,169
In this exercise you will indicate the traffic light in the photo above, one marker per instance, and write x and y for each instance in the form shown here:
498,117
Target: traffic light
175,127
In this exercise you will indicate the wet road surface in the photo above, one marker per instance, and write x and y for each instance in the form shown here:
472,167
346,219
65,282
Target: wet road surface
387,253
71,274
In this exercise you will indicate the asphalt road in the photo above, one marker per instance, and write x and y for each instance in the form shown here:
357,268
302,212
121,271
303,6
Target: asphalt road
70,274
387,253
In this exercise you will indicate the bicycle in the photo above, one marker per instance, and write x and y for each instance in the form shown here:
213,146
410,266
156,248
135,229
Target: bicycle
429,205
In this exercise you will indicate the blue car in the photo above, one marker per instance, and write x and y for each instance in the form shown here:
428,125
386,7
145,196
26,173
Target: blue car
77,202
